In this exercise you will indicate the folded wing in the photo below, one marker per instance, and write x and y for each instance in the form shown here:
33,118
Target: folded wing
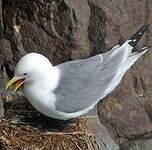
84,82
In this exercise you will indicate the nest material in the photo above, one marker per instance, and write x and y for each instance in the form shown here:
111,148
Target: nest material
16,134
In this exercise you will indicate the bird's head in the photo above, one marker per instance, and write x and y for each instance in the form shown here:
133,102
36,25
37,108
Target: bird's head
30,67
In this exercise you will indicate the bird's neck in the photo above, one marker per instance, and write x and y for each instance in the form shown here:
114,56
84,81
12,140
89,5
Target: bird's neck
52,78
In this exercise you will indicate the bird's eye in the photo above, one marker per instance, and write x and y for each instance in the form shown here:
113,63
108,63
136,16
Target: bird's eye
24,73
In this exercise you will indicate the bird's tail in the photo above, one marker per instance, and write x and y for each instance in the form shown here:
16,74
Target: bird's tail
142,49
137,36
134,54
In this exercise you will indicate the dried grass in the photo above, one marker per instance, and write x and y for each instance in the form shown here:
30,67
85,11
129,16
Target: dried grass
22,135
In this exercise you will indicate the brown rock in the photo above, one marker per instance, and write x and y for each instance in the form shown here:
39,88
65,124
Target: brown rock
81,11
127,111
72,29
1,19
1,108
5,49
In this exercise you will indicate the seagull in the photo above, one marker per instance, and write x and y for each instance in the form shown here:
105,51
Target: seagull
73,88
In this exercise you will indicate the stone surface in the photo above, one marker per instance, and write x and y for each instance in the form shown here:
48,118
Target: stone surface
72,29
127,111
138,145
1,108
1,20
5,50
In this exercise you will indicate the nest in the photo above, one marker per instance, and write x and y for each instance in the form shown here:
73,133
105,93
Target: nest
24,128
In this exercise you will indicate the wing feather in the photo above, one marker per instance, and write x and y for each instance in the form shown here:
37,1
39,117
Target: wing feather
84,82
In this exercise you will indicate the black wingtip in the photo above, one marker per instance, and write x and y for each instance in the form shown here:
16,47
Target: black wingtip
144,48
137,36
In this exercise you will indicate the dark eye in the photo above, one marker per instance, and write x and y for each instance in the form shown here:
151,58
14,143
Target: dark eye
24,73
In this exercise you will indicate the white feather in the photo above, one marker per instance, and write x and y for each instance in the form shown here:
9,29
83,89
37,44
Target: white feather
73,88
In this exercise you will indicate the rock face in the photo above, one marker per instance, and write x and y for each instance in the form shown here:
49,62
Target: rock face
71,29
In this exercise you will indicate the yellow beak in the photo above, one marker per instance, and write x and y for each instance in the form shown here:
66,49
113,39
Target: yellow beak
16,81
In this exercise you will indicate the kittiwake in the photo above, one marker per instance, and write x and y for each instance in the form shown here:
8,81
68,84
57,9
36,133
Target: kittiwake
73,88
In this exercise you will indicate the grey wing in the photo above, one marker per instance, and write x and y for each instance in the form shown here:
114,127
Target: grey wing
84,82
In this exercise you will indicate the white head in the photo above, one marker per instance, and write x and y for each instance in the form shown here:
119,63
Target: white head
30,67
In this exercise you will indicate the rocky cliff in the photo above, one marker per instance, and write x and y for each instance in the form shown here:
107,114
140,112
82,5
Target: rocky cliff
65,30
